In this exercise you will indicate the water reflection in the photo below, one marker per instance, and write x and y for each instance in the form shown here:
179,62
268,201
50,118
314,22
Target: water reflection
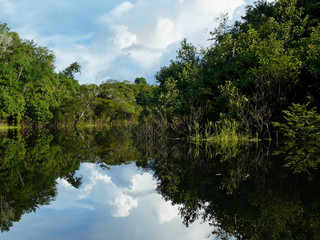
244,192
97,185
28,171
108,207
101,198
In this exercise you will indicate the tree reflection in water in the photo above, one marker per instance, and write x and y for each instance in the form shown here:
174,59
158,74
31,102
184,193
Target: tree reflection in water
30,166
242,191
255,191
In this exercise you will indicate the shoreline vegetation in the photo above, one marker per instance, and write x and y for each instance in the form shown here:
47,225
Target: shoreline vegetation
258,77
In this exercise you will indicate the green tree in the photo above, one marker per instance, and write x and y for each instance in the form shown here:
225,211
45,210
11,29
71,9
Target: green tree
140,80
30,87
301,130
72,69
268,60
116,101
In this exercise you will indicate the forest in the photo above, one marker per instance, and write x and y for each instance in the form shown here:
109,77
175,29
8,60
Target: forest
257,77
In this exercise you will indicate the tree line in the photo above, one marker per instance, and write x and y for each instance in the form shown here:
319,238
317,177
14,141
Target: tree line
240,85
32,93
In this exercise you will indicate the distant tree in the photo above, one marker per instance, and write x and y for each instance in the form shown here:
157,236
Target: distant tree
116,101
140,80
72,69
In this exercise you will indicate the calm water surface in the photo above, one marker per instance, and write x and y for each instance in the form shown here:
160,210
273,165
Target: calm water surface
120,203
99,185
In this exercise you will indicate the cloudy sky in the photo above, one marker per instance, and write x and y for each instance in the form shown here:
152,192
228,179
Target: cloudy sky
116,39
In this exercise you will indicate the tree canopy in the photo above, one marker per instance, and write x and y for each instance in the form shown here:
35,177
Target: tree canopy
252,71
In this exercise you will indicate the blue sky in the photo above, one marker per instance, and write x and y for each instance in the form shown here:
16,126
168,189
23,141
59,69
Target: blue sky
116,39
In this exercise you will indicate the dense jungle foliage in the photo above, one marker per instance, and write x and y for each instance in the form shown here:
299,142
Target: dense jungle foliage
33,94
252,72
239,87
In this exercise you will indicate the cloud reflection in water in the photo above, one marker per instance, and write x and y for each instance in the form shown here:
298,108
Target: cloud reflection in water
120,203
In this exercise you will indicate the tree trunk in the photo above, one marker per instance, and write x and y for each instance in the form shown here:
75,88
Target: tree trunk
85,109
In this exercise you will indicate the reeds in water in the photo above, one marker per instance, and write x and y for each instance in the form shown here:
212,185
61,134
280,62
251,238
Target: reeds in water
222,132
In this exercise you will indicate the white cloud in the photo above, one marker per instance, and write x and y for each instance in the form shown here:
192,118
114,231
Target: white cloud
123,204
64,183
187,19
145,58
122,38
98,33
166,212
116,13
164,28
142,183
197,16
122,192
105,194
121,9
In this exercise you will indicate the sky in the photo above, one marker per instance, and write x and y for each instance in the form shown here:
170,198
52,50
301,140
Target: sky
116,39
120,203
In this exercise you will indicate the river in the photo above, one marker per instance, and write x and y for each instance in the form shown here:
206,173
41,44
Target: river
109,185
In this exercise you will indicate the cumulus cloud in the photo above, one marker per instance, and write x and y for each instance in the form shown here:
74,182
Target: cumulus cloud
142,183
122,38
123,204
105,194
122,192
165,33
99,33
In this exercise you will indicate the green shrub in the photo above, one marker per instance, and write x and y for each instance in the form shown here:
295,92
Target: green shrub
301,129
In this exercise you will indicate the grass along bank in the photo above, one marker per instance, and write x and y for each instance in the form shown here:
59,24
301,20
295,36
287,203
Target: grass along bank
224,131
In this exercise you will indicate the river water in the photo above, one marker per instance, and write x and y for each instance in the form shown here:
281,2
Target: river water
106,185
